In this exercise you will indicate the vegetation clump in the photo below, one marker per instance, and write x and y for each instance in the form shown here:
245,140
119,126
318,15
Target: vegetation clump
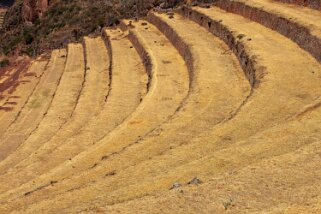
65,21
4,62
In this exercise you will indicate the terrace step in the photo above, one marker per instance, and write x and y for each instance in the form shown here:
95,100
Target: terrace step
274,92
158,105
302,25
210,101
9,80
36,106
273,184
90,95
128,88
21,87
221,113
61,108
208,95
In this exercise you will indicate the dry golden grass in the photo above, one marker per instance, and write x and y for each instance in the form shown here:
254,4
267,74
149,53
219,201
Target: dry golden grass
199,111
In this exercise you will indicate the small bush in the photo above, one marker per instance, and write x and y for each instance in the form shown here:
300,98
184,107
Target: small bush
4,63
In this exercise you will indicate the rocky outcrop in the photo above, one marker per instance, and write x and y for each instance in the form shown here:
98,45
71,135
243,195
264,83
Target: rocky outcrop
33,9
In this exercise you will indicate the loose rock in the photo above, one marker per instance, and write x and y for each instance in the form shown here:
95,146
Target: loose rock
195,180
175,185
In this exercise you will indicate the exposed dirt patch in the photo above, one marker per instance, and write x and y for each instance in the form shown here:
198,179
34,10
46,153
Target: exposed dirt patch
19,68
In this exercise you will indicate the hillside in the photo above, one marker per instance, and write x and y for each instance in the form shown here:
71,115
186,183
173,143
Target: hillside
197,108
35,26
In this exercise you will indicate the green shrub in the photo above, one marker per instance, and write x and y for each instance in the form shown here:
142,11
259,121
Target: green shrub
4,63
